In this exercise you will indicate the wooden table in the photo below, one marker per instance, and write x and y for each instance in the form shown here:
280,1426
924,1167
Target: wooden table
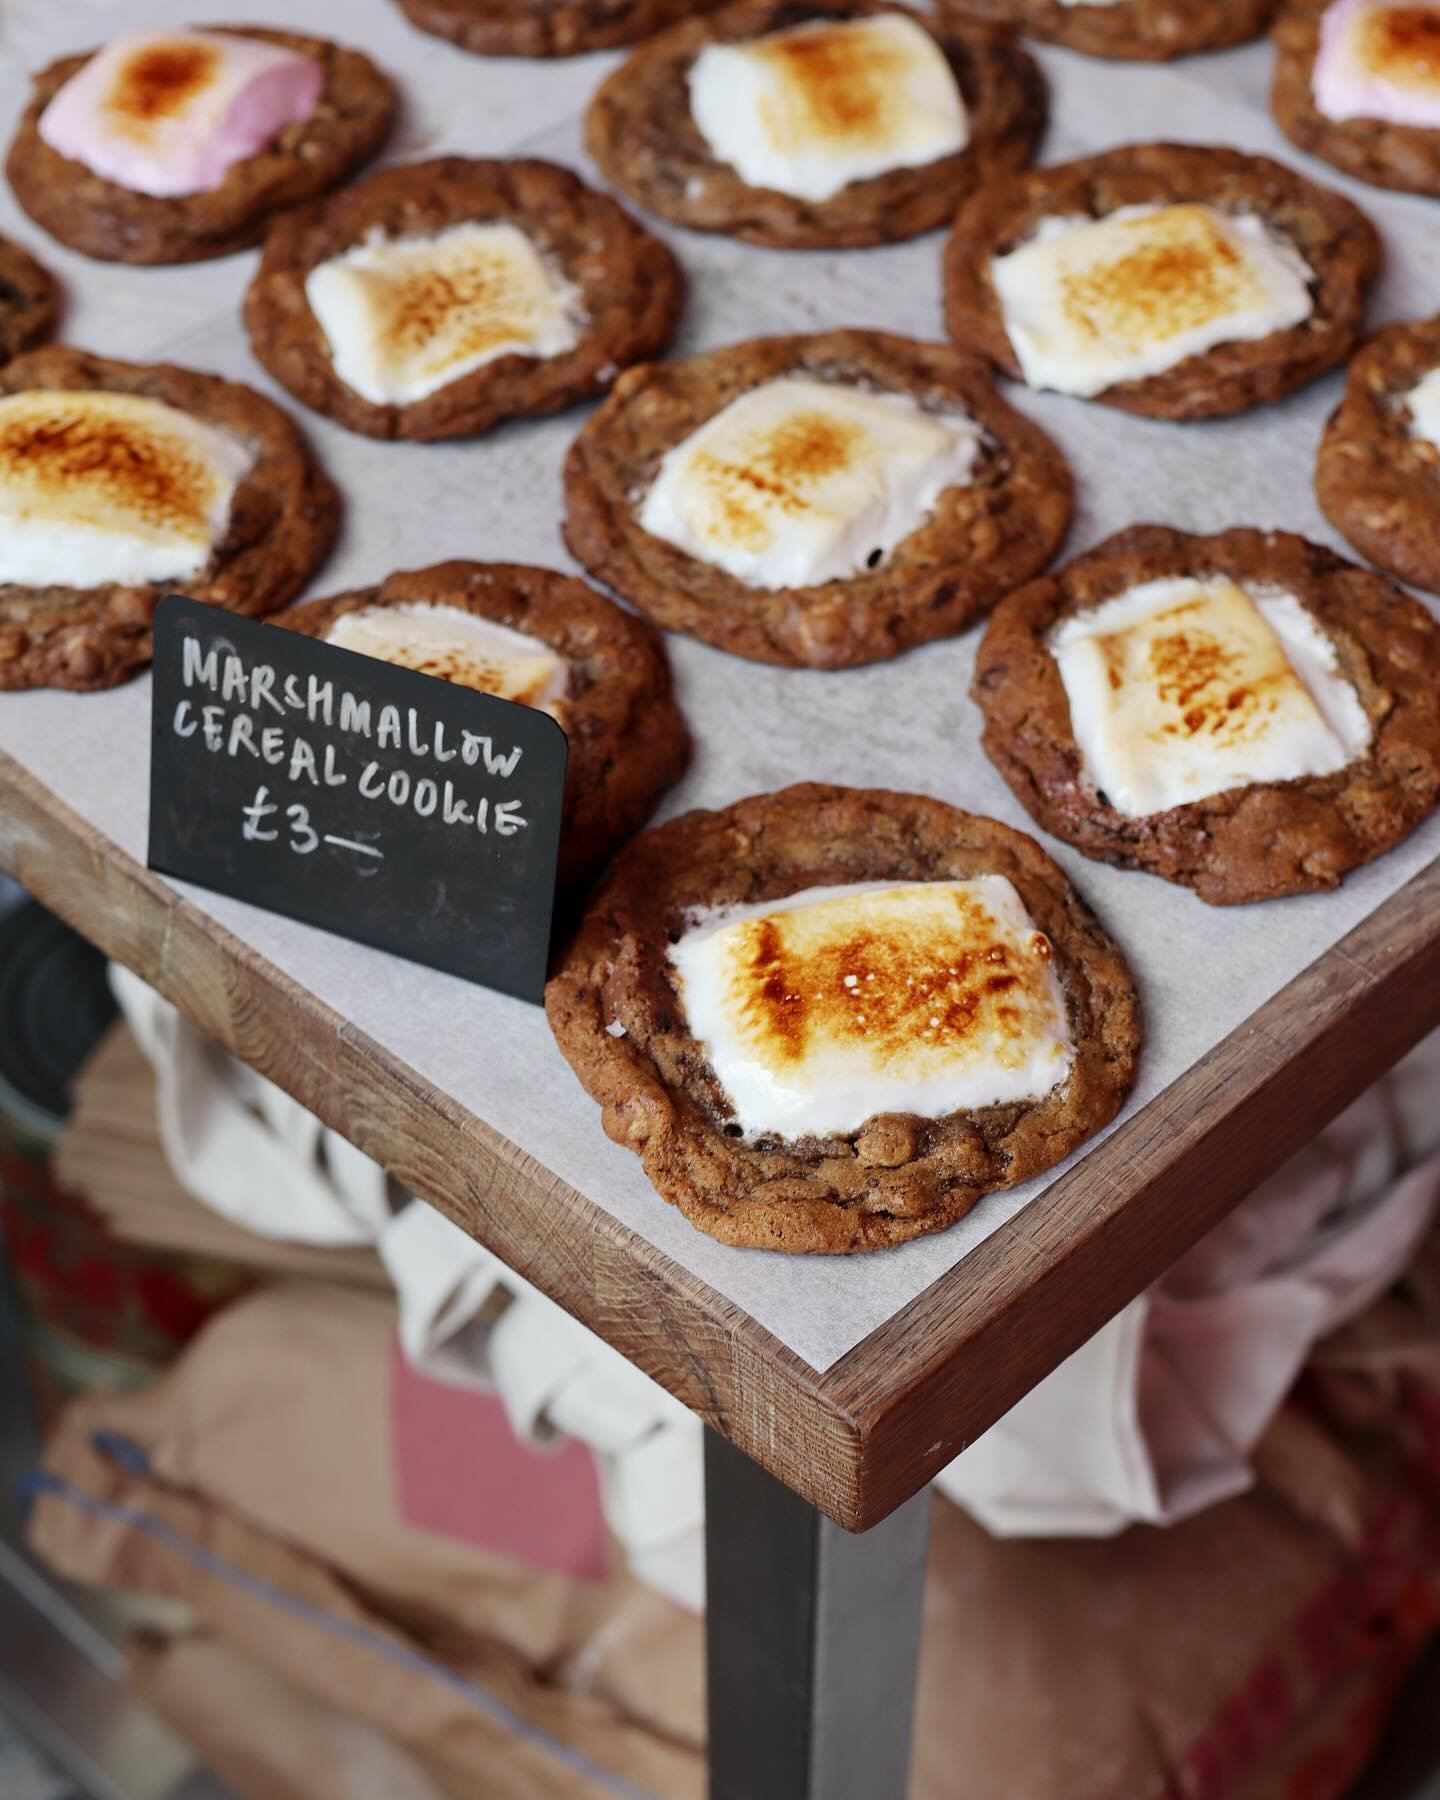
857,1442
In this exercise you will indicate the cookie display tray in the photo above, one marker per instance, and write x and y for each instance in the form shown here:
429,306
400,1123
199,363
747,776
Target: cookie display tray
852,1379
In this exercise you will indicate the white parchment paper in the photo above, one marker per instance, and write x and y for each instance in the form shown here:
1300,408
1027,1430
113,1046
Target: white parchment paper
905,724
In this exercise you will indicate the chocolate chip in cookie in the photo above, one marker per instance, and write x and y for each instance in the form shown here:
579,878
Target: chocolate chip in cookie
831,1019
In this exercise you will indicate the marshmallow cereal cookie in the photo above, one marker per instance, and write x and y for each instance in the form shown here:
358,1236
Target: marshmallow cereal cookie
29,301
1377,475
545,640
826,499
1357,82
830,1019
1175,280
123,482
555,28
436,299
1246,714
175,146
803,125
1129,30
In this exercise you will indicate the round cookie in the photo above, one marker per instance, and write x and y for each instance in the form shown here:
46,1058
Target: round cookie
102,219
982,538
640,131
573,28
29,301
1130,30
282,522
1253,842
1336,240
630,287
628,741
1371,150
1377,482
617,1016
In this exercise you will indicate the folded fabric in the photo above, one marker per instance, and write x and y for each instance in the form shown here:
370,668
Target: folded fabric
1153,1419
1248,1653
1156,1416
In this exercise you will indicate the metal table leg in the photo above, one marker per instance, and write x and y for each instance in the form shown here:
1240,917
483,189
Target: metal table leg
812,1640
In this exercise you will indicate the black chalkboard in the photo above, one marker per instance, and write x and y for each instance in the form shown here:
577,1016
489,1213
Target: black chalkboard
372,801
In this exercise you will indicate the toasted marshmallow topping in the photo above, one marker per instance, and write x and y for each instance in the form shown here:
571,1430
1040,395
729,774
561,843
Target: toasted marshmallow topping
1182,688
800,481
407,316
1423,400
823,1009
1091,302
171,114
809,110
1379,60
97,488
458,646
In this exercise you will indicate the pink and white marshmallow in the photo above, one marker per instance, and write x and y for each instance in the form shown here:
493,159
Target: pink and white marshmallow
1379,59
171,113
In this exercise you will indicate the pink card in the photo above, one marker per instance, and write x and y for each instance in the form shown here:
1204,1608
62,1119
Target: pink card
461,1472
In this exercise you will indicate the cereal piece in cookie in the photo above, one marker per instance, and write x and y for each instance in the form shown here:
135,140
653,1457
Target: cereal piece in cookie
1245,714
1377,475
1357,82
122,482
1129,30
545,640
166,147
825,500
557,28
1173,280
29,301
437,299
830,1019
803,125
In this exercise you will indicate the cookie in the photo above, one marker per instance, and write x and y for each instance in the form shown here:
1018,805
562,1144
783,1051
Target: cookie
159,83
1377,475
29,301
1355,84
492,28
148,479
879,137
761,465
1260,720
804,1067
1175,280
458,294
546,640
1129,30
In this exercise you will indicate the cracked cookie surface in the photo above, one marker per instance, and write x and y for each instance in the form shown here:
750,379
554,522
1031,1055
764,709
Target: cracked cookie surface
100,218
1248,843
983,536
627,738
282,521
618,1017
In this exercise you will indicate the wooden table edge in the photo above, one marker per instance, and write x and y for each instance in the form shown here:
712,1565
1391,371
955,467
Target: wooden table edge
859,1439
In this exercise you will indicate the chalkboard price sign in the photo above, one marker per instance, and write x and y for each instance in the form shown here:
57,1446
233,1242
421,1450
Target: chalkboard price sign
370,800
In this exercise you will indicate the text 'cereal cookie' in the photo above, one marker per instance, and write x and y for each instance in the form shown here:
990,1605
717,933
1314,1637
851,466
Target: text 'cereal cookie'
545,640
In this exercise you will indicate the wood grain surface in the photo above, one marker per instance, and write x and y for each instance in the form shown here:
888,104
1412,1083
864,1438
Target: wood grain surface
861,1438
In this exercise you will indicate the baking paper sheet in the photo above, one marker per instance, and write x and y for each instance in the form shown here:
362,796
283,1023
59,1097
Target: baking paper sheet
905,724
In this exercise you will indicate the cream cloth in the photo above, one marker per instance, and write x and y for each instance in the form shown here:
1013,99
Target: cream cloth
1152,1420
240,1145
